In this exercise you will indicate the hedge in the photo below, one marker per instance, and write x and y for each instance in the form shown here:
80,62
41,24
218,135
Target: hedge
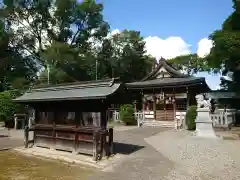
127,114
7,107
191,116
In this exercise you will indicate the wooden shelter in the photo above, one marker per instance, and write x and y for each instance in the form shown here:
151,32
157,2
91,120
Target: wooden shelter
166,91
73,117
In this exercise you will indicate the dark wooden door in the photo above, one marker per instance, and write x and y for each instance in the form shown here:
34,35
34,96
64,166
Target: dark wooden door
165,110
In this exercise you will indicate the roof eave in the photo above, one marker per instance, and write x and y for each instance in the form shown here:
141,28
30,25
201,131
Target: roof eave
59,99
166,85
94,97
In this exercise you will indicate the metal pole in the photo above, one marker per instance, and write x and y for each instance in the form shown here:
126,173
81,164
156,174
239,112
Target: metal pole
96,69
48,73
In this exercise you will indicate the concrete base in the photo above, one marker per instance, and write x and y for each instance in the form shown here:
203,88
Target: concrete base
68,157
204,126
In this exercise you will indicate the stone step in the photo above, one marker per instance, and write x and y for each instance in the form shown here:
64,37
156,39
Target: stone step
159,123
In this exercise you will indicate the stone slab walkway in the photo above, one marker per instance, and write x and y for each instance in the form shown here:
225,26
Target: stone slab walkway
10,139
143,161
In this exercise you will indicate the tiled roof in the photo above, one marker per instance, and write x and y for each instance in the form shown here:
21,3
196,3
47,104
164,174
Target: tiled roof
166,82
76,91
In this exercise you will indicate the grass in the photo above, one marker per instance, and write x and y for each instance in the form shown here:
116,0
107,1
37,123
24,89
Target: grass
17,167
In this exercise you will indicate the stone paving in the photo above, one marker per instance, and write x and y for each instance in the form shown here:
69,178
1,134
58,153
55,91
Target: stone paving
10,139
143,162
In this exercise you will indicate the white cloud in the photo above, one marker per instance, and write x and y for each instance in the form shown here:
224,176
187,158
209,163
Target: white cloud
166,48
170,47
204,47
115,31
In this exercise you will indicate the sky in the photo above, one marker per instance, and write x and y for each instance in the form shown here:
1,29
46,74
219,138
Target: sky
171,27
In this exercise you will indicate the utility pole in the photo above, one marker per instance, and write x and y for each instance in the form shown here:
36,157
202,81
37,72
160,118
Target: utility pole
96,69
48,74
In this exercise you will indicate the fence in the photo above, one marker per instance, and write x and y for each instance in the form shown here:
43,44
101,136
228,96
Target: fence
223,118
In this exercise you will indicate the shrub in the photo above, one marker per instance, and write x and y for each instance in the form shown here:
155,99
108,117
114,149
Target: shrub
127,114
8,107
191,117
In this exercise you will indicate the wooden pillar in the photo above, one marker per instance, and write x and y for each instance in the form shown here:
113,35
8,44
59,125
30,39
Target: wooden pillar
154,106
103,115
188,97
26,136
143,104
164,108
188,104
174,104
110,139
96,137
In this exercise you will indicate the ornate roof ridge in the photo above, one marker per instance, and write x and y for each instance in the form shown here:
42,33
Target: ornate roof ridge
164,63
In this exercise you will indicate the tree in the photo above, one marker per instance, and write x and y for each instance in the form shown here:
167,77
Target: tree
56,24
8,107
225,56
72,37
16,71
191,63
55,75
123,56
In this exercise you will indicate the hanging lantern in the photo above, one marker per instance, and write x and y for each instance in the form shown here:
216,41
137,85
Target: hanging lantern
161,96
173,100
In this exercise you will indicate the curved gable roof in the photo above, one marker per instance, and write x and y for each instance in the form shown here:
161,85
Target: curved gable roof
166,65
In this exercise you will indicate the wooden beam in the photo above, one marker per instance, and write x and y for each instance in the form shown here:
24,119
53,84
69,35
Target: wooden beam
154,106
188,97
174,105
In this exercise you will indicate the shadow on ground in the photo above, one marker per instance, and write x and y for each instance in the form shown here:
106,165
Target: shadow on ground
126,149
3,136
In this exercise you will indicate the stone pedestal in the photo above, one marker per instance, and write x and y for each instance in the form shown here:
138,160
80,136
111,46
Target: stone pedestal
204,126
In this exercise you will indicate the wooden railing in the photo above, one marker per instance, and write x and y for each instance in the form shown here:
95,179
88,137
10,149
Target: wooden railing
85,140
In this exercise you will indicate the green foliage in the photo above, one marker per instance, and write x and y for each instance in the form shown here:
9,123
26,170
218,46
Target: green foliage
225,55
13,67
7,106
127,114
191,63
56,76
47,30
133,64
191,117
71,38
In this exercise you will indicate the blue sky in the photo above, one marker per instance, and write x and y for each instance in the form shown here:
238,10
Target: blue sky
185,21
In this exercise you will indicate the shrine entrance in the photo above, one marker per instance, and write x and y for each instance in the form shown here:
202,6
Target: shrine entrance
165,107
160,107
166,93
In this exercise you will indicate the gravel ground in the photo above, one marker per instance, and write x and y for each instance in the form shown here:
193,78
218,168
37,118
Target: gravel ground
198,158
